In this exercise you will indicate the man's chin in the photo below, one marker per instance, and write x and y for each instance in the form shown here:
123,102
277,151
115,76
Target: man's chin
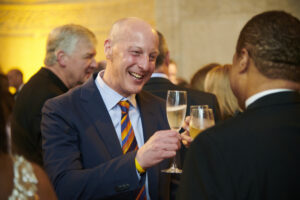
136,90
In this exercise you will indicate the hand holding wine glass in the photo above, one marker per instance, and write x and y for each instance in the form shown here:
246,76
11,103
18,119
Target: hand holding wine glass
176,109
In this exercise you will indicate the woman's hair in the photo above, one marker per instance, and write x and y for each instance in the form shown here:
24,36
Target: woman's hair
197,81
217,82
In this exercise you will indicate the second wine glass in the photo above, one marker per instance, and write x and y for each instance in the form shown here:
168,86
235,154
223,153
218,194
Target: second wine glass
176,109
201,119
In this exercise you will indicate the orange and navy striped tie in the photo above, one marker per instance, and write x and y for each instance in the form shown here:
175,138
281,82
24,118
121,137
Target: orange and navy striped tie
128,140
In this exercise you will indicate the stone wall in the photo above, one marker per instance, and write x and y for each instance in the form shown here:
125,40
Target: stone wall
197,31
204,31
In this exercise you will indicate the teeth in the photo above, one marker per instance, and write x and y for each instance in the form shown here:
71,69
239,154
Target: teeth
136,75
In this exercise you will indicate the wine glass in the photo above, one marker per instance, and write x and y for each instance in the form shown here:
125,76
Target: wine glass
176,109
211,116
201,118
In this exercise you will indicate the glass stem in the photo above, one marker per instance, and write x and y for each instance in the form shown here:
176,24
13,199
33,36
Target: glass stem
174,165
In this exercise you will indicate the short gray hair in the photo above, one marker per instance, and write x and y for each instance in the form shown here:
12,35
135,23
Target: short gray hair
65,38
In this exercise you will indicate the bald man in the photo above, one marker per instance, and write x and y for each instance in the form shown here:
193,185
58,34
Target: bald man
85,151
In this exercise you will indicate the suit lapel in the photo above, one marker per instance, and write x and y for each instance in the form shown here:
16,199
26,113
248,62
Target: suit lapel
147,116
95,109
149,121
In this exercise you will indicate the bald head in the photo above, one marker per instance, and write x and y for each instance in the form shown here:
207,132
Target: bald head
131,50
124,28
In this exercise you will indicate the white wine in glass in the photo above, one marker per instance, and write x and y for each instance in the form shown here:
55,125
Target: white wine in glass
176,109
201,119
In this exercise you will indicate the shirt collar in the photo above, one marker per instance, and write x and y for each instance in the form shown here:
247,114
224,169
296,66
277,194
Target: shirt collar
110,97
159,75
259,95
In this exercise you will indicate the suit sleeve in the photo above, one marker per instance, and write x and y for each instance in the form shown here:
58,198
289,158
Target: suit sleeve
115,177
205,174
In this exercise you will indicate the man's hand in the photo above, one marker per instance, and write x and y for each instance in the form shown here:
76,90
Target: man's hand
185,136
160,146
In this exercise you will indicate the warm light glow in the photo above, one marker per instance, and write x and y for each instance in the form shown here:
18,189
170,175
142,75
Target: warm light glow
24,26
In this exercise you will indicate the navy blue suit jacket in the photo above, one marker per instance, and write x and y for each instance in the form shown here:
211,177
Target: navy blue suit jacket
82,153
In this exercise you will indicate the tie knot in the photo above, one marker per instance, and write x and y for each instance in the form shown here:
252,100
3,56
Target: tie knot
124,106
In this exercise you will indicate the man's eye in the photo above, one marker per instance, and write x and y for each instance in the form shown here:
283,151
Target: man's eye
89,56
152,58
135,53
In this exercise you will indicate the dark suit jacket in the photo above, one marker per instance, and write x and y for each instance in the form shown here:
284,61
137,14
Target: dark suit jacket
83,156
255,155
160,86
27,114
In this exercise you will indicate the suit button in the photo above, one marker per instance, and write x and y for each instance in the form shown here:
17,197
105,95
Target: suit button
122,188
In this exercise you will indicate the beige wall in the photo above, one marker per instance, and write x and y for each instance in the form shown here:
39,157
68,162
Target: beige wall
203,31
197,31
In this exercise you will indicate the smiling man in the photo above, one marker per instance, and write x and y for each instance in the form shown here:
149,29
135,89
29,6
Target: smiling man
106,139
69,61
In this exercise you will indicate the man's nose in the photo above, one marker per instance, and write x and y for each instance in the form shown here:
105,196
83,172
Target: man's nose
144,62
93,63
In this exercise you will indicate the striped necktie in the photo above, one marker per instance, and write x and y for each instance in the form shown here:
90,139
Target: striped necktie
128,140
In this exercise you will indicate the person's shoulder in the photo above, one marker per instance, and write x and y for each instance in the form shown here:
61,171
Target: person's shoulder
65,97
39,77
74,94
41,86
45,189
33,177
228,131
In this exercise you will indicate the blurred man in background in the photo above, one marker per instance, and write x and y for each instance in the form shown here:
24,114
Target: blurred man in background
15,80
69,61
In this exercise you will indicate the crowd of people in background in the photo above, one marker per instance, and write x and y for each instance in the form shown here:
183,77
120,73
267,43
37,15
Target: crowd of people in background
81,129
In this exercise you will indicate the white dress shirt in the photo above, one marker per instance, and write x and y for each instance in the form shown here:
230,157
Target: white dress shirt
259,95
111,99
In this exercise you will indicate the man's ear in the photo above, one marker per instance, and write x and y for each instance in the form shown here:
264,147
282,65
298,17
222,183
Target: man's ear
108,49
61,58
244,60
167,59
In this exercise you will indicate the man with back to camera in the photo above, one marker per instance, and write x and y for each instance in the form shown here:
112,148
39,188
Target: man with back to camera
69,61
86,131
256,154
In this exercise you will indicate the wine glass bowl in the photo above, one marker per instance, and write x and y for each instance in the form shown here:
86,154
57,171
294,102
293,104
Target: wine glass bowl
201,119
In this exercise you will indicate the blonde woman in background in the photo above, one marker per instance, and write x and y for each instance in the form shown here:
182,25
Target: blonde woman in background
217,82
197,80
